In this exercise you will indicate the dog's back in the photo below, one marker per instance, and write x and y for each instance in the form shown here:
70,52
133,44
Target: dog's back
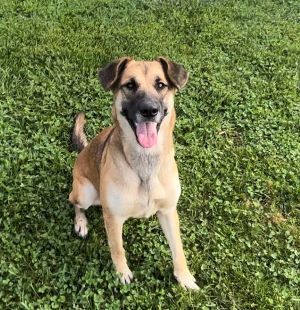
87,164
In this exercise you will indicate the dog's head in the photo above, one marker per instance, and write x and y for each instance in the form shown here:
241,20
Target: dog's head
143,94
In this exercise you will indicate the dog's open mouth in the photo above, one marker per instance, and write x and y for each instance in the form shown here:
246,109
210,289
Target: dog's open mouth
146,133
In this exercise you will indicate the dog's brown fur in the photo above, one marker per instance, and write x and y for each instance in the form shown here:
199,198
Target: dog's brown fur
127,180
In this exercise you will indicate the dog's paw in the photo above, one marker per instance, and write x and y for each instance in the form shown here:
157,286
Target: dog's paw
125,275
81,226
186,280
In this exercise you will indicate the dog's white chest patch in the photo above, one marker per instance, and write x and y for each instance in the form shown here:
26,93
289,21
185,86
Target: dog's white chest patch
142,202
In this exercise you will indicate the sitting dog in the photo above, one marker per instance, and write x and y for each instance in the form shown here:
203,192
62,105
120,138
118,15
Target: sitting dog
129,169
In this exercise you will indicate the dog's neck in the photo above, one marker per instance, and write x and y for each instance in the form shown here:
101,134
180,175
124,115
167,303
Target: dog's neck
144,164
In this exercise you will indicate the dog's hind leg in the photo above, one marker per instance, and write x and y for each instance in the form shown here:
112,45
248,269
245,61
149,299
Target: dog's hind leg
82,197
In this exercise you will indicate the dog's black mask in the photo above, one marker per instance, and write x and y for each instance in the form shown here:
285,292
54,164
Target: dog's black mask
140,108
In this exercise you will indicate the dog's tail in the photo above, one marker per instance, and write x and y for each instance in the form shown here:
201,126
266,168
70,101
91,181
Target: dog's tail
79,139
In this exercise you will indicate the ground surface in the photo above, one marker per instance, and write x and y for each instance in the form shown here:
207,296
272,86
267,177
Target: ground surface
237,141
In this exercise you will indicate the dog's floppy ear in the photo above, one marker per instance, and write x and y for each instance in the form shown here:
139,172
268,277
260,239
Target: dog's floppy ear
110,74
174,72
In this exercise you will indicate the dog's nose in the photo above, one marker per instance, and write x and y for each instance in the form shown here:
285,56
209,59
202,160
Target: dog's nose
149,112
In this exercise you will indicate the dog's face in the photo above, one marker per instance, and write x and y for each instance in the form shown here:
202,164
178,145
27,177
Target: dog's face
144,94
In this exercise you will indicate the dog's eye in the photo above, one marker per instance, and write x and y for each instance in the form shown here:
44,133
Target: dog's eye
160,85
130,85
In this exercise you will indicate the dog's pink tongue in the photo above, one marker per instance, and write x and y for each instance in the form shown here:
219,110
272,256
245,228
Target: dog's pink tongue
146,134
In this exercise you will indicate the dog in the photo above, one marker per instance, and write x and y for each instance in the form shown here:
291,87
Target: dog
129,169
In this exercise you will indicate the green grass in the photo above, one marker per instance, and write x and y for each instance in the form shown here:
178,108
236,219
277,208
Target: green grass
237,141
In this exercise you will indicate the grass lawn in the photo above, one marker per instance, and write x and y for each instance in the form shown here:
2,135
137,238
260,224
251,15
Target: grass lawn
237,141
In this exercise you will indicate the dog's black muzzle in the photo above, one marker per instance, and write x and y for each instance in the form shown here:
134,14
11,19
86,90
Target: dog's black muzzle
142,108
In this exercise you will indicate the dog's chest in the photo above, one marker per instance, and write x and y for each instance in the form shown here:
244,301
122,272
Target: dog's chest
139,192
141,201
148,200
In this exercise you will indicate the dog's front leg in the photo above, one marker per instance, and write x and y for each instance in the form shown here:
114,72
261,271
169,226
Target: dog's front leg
169,222
114,227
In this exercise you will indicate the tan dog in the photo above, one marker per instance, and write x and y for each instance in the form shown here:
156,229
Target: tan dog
129,168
